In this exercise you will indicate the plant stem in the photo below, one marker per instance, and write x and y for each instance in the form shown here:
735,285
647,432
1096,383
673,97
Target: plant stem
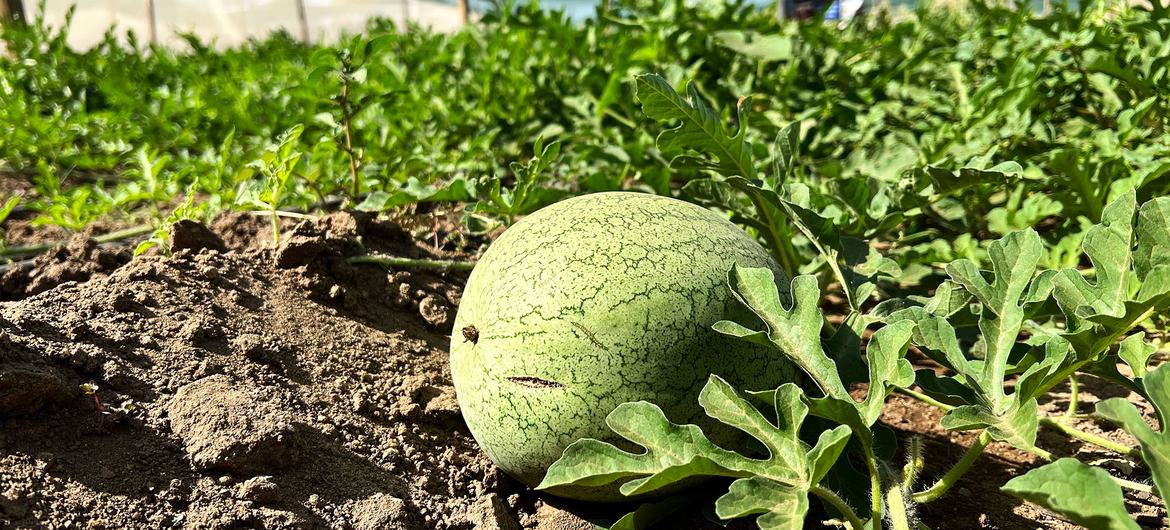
282,213
1057,424
875,485
896,504
830,260
117,235
392,261
837,502
1039,453
925,399
780,246
1127,484
1131,452
346,117
1135,486
914,463
1074,390
275,229
951,477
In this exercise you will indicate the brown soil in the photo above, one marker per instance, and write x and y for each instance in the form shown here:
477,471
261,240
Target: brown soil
251,387
12,183
79,260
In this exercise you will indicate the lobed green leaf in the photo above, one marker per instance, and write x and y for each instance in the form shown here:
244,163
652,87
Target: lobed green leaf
1084,494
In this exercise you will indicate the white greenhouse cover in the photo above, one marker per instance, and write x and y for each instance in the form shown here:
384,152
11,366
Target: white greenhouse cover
230,22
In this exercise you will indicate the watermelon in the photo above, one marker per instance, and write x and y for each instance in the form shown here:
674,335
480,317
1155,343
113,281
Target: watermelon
596,301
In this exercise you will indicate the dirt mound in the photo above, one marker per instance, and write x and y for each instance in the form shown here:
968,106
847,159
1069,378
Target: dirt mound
81,257
79,260
275,389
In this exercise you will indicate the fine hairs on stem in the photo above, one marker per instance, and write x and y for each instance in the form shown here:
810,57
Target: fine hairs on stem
915,461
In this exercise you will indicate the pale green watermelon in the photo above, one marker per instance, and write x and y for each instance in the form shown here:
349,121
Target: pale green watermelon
596,301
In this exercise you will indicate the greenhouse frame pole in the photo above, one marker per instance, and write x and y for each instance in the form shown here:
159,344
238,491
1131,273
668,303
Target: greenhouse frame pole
13,9
303,18
152,21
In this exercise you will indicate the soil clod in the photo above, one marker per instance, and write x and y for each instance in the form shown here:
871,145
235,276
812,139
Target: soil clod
491,513
301,246
260,489
383,512
79,260
194,236
435,311
233,426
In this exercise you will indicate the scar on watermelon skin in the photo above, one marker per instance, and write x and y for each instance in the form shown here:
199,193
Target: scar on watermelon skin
534,382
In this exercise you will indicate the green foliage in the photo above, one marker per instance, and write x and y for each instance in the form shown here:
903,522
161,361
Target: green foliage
1136,352
776,487
931,125
1031,331
528,192
160,236
277,164
1014,259
700,127
1084,494
1155,445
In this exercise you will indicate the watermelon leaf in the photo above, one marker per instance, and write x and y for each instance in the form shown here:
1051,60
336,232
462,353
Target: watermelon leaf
1108,246
1013,260
1102,312
945,182
1084,494
1017,425
786,151
700,128
795,331
1010,418
1155,445
888,367
1136,352
783,507
934,335
1153,235
777,486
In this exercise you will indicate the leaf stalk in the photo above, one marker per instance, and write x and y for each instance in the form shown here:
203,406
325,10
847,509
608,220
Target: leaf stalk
952,477
1099,441
914,463
875,483
925,399
393,261
1074,389
896,504
839,504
